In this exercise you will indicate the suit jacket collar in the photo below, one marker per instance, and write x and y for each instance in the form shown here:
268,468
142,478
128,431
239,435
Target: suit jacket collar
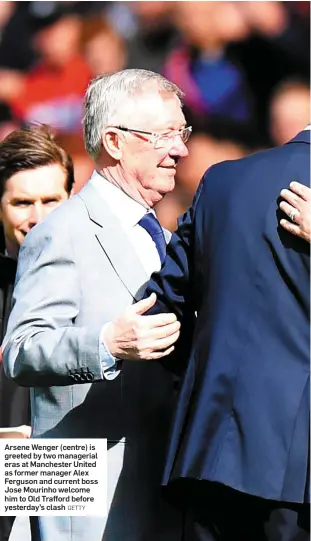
302,137
127,209
114,241
96,206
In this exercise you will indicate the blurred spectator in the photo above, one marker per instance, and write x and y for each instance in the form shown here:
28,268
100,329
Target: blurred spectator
278,47
170,208
102,46
7,122
16,51
53,91
269,19
209,144
204,151
289,110
279,24
83,165
213,82
6,11
149,30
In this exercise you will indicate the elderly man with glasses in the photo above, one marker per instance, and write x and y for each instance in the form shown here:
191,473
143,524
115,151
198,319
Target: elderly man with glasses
74,325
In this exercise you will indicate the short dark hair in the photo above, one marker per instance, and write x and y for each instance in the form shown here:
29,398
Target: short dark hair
29,148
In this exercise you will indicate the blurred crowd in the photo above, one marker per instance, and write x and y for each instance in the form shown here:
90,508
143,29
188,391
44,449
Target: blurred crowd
244,68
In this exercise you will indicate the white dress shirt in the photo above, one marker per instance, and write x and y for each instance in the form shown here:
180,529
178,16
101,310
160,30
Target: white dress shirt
129,212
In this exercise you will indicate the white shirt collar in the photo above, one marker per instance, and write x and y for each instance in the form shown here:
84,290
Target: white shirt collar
128,211
308,127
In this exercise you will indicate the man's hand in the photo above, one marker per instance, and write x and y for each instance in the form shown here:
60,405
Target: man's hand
133,336
18,432
297,206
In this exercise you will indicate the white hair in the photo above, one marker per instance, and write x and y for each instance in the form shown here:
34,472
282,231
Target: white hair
106,98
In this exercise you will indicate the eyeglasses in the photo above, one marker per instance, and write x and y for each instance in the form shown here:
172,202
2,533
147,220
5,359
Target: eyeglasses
161,140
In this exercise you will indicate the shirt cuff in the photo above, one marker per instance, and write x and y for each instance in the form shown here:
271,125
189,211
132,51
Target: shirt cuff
111,367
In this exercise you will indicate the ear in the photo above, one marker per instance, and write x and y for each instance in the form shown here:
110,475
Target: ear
113,143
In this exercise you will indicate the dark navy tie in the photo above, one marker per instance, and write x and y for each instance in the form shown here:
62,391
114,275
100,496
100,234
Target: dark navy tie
152,225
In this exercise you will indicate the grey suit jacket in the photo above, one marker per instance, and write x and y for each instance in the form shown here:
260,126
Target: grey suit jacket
76,271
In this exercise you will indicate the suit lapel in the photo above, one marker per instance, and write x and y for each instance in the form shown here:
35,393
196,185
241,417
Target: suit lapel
114,241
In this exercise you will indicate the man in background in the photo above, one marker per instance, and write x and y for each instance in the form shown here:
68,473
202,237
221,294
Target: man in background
36,176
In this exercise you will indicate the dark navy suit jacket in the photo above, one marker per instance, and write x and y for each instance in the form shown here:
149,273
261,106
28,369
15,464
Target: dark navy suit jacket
243,413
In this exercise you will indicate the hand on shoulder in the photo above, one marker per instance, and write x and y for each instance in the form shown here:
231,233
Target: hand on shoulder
296,205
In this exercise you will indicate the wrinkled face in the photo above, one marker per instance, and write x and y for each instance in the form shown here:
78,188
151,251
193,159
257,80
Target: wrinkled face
27,198
153,165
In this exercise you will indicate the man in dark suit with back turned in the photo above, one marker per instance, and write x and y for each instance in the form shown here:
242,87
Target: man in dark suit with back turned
239,444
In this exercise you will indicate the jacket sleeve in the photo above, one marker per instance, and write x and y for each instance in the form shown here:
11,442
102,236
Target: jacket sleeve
174,285
43,346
